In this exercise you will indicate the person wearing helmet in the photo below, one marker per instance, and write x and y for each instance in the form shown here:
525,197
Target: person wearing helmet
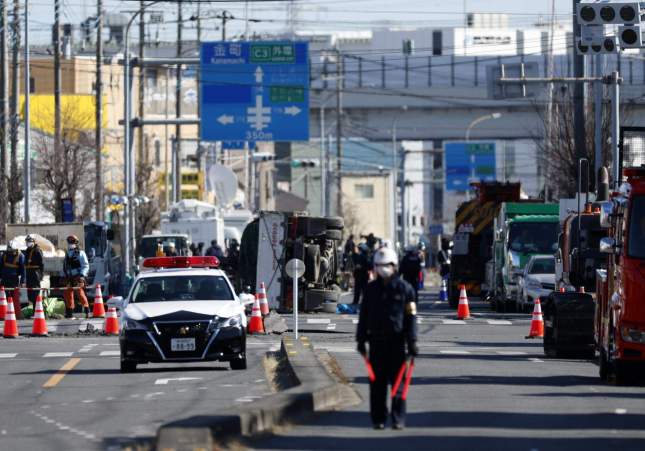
411,265
12,273
75,267
387,322
34,267
172,250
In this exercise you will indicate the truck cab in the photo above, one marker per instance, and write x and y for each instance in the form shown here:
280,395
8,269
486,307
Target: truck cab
620,311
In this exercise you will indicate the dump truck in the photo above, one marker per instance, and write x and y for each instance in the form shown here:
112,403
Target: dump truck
522,229
473,238
274,238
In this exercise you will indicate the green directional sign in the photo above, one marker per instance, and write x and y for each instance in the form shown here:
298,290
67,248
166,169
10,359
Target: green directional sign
287,94
273,53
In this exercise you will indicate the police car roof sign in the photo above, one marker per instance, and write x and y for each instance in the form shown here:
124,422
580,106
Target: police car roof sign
295,268
181,262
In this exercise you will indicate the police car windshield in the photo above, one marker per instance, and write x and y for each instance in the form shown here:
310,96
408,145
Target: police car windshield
182,288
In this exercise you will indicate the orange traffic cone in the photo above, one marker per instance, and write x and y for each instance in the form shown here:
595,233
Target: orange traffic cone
10,324
537,323
99,309
3,303
39,328
262,297
256,325
463,311
111,324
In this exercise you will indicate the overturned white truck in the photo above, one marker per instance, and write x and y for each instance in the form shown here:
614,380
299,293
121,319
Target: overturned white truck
274,238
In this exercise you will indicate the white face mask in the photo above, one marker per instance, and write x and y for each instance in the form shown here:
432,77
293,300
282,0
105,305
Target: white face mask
385,271
30,244
71,247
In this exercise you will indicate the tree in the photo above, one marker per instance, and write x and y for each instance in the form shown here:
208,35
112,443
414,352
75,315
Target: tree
556,148
70,174
147,186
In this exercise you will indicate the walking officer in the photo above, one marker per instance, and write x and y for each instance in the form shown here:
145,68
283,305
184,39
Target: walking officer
388,323
34,267
75,267
12,273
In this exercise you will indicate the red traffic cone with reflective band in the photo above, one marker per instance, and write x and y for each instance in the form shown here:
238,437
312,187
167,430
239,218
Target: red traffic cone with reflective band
10,324
3,303
111,324
262,297
98,310
39,328
256,325
537,323
463,311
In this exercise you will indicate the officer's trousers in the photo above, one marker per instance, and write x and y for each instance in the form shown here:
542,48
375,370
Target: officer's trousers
387,357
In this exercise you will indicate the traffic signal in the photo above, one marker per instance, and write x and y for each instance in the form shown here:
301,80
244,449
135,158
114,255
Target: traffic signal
630,36
608,44
304,163
262,156
614,13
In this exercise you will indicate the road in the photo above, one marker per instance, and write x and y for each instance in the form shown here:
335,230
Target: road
94,406
477,385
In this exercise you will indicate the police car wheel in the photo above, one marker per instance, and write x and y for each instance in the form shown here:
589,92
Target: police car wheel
238,364
128,366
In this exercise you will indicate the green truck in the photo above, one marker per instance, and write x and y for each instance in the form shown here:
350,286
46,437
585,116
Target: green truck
522,229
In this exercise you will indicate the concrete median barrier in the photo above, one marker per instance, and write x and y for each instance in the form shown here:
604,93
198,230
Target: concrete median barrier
316,391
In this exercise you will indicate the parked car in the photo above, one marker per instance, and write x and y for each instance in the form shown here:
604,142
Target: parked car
538,279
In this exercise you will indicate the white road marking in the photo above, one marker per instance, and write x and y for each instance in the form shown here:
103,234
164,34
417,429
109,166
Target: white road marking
354,321
8,355
331,326
511,352
536,360
453,321
110,353
620,411
419,320
178,379
499,322
88,401
337,349
318,321
58,354
454,351
260,343
110,398
152,395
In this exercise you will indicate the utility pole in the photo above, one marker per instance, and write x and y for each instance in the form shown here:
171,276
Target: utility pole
98,137
57,85
225,16
199,77
27,157
578,92
15,95
339,133
4,113
141,93
177,155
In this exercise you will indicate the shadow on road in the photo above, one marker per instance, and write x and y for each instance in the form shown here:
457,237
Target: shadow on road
539,381
145,370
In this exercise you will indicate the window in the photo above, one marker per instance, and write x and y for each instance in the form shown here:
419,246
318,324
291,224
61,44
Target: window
182,288
414,220
636,237
32,85
437,43
364,191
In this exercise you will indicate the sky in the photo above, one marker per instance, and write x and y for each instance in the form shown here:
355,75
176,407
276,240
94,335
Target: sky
321,15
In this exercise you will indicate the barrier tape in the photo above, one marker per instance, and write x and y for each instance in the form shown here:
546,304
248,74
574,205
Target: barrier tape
89,287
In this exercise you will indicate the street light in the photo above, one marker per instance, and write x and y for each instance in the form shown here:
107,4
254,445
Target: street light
128,160
395,177
479,120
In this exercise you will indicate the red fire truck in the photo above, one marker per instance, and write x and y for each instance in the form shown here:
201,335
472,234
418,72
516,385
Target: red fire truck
620,311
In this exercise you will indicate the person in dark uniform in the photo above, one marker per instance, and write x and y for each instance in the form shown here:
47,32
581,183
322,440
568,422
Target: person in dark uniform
362,267
411,265
34,267
12,273
443,258
388,323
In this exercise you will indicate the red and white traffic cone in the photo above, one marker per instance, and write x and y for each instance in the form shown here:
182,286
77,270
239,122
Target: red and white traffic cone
537,322
463,311
3,303
111,324
10,323
256,325
39,329
98,311
262,297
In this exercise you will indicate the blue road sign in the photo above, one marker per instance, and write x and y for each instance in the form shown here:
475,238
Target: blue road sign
237,145
460,157
254,91
436,229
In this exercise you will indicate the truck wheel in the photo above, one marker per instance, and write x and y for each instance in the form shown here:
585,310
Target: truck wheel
312,263
310,227
128,366
621,373
549,339
604,369
335,222
238,364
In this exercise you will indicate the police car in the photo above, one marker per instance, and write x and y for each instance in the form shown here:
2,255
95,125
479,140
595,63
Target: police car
181,309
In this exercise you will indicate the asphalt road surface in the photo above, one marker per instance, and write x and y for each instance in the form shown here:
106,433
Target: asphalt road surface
477,384
68,393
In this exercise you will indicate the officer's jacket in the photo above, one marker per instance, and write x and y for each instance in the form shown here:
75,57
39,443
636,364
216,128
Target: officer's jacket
34,259
410,266
76,264
388,311
12,266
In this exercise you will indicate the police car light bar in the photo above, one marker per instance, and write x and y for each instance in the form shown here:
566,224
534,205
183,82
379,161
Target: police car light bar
181,262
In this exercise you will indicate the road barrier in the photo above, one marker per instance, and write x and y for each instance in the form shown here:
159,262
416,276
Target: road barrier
463,311
10,323
39,328
256,325
111,326
537,322
99,309
262,297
